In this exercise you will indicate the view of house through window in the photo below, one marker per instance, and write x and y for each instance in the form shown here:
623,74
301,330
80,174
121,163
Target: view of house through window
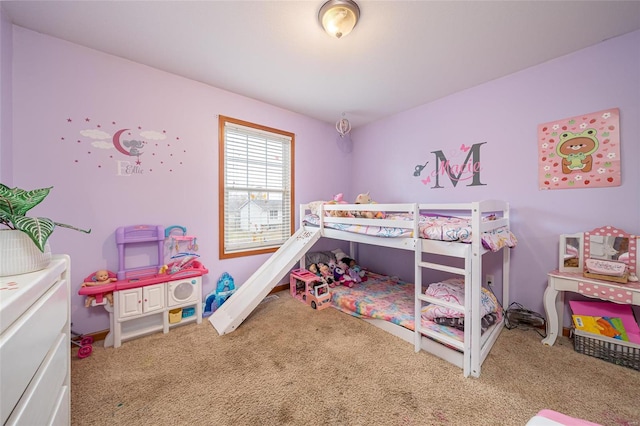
256,187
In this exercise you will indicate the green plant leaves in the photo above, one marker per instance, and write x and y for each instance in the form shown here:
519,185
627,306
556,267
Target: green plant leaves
37,228
18,202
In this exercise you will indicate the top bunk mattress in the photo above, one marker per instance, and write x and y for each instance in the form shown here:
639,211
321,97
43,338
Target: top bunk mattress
432,227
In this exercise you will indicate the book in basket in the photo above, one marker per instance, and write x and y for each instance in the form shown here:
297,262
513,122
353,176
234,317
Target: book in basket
604,326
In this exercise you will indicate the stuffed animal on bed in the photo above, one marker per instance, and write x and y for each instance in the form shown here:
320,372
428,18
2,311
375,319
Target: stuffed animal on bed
351,267
356,269
338,199
343,257
315,207
341,275
313,268
365,198
326,274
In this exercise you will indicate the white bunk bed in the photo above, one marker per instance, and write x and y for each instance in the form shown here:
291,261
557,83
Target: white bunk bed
403,228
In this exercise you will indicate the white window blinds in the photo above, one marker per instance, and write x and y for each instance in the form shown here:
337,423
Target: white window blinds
257,188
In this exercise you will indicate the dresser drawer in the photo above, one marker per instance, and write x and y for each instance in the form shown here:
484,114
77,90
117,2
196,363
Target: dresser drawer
37,405
61,414
34,336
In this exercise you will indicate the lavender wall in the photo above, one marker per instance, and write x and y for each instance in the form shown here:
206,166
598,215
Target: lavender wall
6,97
56,81
505,114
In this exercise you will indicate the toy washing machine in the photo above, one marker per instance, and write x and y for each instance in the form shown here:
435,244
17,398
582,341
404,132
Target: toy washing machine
183,291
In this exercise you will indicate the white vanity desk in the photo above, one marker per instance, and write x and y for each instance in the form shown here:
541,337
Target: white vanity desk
559,282
572,279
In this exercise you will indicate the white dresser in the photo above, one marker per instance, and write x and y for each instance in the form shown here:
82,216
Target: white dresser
35,362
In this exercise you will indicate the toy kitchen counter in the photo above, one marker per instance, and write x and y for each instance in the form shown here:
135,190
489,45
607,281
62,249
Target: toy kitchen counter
143,304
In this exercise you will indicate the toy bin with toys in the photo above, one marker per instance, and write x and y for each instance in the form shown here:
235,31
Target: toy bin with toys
308,288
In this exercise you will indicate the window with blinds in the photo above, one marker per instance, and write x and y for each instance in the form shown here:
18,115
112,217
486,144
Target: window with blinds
256,194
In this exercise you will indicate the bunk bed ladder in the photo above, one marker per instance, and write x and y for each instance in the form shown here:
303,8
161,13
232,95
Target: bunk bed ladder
472,351
422,298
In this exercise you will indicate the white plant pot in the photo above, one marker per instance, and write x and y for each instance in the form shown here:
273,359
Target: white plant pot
19,255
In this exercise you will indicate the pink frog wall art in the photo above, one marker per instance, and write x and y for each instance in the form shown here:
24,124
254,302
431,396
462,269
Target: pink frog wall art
580,152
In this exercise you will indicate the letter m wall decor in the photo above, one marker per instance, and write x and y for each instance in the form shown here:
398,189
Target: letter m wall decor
580,152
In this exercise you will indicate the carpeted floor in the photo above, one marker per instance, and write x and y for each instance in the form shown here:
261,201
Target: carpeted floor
290,365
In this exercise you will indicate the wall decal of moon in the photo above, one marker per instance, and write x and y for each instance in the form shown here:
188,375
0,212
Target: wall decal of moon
117,144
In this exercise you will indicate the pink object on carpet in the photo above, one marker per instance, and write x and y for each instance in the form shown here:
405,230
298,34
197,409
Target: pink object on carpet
553,418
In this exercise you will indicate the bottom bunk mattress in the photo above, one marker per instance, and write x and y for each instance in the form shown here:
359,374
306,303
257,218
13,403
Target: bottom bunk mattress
390,299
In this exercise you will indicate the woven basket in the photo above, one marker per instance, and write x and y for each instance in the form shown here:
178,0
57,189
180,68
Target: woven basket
615,351
19,255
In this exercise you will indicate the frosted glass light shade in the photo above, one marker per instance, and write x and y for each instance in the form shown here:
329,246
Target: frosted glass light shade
338,17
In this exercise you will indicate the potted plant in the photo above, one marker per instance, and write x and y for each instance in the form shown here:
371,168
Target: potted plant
23,246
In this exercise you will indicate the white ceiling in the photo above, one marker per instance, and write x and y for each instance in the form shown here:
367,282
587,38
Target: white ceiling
400,55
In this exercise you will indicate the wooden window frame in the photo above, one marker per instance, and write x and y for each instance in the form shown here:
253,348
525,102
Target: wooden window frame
222,186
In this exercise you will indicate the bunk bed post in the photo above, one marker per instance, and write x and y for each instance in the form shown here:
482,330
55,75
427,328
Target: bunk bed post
506,258
303,209
417,322
417,318
353,250
476,285
468,312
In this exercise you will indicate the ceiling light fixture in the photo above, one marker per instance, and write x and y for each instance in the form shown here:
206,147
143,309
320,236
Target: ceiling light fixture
338,17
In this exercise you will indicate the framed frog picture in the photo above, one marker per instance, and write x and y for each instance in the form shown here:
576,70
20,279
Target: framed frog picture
580,152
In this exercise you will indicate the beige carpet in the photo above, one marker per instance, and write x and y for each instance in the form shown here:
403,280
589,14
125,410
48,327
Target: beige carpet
290,365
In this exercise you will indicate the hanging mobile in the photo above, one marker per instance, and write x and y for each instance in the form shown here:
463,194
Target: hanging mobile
194,247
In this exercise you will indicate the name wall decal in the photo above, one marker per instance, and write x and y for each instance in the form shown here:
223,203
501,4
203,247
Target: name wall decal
454,167
125,150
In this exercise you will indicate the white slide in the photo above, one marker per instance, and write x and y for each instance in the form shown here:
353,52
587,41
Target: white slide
245,299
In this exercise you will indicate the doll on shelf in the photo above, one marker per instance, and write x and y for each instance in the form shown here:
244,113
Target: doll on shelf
100,278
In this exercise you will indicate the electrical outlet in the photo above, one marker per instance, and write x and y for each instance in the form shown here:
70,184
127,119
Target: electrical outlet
489,280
